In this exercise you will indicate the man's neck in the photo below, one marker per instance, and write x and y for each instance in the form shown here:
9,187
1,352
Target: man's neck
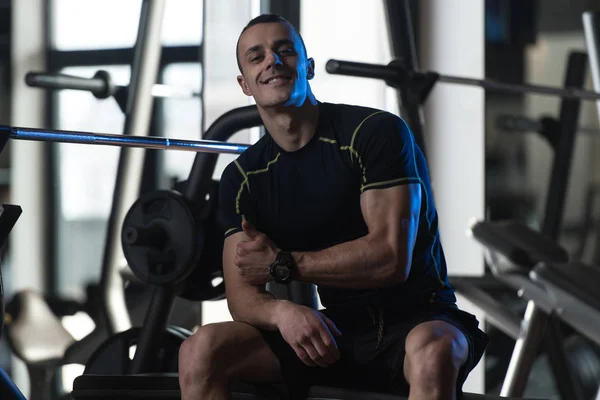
291,127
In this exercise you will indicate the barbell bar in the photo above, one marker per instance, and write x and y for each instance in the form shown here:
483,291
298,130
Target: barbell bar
399,75
100,85
147,142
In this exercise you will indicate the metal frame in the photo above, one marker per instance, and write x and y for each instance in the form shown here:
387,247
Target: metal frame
401,76
122,141
528,344
401,30
138,111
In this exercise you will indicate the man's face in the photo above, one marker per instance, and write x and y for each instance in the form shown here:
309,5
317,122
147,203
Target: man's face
274,64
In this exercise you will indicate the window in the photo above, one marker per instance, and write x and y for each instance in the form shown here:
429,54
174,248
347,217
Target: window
89,25
358,34
182,118
79,25
86,178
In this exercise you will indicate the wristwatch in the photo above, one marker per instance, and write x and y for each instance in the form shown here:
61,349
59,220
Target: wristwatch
282,268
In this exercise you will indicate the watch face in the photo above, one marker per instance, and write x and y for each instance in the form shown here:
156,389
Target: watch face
281,271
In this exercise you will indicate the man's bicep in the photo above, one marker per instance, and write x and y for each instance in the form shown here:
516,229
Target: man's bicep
392,215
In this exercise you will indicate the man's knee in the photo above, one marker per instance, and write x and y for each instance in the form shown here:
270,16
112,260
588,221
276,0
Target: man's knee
200,354
435,352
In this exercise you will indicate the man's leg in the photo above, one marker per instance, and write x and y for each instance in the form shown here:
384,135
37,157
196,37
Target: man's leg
220,353
435,352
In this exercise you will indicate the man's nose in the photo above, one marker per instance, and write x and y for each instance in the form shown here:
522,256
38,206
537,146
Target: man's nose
274,59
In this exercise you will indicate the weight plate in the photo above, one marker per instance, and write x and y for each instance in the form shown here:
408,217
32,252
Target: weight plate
205,282
161,239
113,356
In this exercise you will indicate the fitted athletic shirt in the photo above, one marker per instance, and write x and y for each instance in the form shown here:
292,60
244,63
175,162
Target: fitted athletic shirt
309,199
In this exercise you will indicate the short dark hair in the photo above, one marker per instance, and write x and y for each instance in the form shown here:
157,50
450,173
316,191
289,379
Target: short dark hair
264,19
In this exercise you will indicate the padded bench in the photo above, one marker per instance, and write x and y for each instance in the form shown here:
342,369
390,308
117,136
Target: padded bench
575,292
166,387
515,247
513,250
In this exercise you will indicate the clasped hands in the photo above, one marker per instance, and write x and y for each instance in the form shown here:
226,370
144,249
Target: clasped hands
254,257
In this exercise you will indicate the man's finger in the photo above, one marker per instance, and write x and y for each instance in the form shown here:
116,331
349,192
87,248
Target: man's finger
331,325
326,347
249,230
303,356
251,245
315,355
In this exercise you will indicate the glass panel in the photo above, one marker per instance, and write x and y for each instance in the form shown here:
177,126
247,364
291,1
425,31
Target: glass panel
182,23
182,118
78,25
85,178
360,35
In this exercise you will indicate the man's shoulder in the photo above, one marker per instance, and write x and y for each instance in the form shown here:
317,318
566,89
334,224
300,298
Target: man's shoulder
355,122
354,115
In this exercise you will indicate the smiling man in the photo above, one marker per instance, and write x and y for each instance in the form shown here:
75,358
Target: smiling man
339,196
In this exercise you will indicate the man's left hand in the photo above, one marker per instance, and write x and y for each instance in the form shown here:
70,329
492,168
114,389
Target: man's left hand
254,257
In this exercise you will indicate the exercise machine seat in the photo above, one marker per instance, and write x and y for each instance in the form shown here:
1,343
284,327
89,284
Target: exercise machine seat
36,335
573,288
166,387
580,280
518,247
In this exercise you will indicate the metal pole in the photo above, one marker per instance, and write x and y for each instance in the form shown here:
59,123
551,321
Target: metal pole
525,351
144,71
402,36
563,142
591,29
401,76
146,142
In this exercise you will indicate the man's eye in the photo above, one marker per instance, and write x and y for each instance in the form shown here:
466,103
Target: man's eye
287,51
255,59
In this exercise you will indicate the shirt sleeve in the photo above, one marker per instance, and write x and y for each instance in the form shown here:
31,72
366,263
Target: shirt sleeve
386,152
233,199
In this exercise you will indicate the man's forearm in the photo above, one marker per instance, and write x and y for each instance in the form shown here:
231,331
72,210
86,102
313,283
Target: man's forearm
360,263
258,309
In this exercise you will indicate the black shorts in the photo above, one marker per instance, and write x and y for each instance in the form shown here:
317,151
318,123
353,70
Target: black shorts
372,359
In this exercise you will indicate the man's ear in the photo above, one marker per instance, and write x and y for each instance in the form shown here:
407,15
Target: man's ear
311,69
244,85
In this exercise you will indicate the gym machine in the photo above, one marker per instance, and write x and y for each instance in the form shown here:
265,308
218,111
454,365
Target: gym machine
35,333
414,87
9,214
560,290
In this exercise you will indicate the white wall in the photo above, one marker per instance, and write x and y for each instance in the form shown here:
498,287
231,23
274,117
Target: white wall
359,33
452,42
28,238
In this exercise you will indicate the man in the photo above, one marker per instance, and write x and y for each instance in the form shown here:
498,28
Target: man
338,196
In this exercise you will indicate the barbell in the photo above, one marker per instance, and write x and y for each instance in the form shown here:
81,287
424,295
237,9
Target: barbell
397,75
147,142
165,237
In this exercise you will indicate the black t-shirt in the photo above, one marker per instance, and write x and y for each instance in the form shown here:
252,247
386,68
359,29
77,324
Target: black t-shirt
309,199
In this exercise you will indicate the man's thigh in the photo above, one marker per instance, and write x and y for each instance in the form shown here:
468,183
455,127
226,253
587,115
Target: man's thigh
459,323
372,357
372,349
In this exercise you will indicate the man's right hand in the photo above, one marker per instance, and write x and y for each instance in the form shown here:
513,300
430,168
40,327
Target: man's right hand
310,334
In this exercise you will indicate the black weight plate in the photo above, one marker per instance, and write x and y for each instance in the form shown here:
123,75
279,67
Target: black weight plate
208,288
112,357
199,285
160,238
